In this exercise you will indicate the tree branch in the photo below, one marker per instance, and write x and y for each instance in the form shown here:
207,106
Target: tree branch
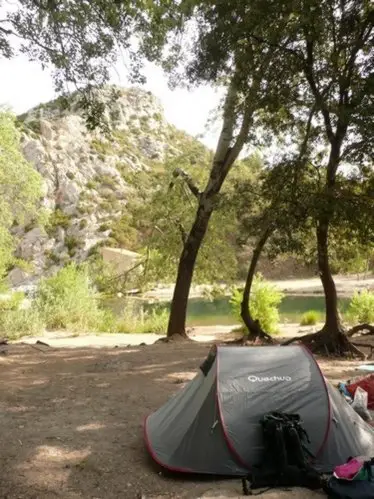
227,131
321,104
6,31
178,172
288,50
234,152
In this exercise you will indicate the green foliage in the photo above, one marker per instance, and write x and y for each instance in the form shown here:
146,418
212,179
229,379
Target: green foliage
72,243
83,223
166,216
124,233
264,303
57,219
69,301
6,251
17,323
104,227
20,188
12,303
102,147
310,318
105,181
361,307
53,257
91,184
140,321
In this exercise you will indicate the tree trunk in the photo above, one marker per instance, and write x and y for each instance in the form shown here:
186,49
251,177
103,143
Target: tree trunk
253,326
332,325
178,309
227,151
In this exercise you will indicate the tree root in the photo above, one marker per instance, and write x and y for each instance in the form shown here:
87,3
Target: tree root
253,339
175,338
327,343
361,327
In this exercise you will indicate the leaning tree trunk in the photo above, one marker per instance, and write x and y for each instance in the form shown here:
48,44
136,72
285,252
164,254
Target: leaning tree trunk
226,153
178,310
253,326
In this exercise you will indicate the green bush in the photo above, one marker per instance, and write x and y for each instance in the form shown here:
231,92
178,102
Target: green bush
104,227
83,224
12,303
105,181
91,184
264,304
310,318
361,307
102,147
138,322
68,300
17,323
57,219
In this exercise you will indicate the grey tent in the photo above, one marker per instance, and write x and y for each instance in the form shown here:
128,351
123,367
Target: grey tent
211,426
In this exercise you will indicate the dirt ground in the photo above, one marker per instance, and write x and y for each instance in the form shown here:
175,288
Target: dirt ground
71,421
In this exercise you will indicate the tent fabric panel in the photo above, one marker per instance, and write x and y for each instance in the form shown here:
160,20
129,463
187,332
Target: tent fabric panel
349,435
269,379
166,428
203,447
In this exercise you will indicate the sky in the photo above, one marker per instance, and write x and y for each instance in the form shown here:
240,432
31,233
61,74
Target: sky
24,84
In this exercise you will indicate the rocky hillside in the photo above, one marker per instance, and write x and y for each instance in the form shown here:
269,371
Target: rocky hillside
85,173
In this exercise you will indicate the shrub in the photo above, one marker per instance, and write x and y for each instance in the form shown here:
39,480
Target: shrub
105,180
361,307
13,302
91,184
310,318
104,227
17,323
68,300
140,321
57,219
264,304
53,257
83,224
102,147
72,244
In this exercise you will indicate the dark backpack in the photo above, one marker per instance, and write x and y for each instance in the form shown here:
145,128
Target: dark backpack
286,460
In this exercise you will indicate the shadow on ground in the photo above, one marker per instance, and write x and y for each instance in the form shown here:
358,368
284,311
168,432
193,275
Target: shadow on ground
71,421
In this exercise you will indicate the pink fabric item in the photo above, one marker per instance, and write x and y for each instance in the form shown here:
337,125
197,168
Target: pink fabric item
348,470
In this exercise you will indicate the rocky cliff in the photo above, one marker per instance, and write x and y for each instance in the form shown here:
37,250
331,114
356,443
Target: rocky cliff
85,186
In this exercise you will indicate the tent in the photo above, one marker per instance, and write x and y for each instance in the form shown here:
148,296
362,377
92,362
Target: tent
211,426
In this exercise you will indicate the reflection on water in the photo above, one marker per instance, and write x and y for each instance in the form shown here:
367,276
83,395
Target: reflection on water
202,312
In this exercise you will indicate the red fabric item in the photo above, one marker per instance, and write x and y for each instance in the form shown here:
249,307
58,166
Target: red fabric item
366,384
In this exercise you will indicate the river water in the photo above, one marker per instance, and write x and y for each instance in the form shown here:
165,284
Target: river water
203,312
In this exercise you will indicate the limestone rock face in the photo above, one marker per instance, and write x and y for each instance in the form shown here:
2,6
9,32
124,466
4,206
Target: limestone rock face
84,188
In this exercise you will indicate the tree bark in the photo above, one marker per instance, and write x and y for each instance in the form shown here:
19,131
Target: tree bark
226,154
253,326
332,325
178,309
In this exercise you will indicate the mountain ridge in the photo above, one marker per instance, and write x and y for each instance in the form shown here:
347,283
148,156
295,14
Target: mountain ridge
86,173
